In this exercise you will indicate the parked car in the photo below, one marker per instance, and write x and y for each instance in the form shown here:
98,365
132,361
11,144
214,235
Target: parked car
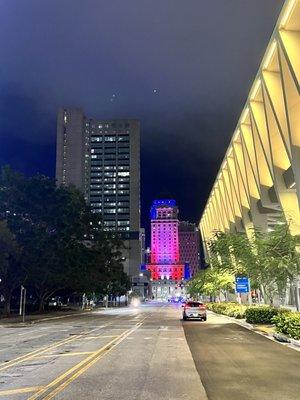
54,303
194,310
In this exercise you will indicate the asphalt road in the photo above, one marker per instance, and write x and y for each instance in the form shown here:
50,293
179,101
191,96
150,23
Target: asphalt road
235,363
116,354
146,353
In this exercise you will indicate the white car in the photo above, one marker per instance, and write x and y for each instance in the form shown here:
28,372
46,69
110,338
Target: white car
194,310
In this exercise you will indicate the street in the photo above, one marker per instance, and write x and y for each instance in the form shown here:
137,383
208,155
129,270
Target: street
143,353
235,363
121,353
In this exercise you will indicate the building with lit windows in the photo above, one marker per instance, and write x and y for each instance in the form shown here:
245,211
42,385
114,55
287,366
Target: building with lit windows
102,159
165,266
189,245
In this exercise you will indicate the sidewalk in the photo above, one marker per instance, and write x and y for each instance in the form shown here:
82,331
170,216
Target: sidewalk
265,330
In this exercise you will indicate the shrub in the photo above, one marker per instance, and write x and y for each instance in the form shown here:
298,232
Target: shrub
285,321
237,311
288,323
263,314
230,309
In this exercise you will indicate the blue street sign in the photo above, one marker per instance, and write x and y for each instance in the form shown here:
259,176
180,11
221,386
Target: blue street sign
242,284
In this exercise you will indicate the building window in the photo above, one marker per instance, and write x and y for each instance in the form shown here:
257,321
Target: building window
123,173
123,138
110,211
123,223
109,138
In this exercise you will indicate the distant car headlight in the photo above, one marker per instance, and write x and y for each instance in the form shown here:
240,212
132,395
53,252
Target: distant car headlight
135,302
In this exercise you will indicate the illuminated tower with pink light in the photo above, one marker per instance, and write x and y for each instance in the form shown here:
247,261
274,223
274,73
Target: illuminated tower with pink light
165,262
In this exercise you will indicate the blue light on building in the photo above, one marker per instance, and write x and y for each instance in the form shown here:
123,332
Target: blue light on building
160,203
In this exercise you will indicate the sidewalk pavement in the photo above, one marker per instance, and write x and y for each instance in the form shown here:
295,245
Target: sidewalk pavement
267,331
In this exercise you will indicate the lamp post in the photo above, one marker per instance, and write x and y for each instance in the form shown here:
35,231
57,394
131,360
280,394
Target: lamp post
297,296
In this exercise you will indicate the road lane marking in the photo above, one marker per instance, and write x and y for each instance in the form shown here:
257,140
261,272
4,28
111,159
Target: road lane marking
41,350
25,333
34,337
12,392
81,367
163,328
61,316
104,336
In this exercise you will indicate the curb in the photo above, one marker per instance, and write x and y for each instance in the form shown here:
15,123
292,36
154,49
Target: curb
275,337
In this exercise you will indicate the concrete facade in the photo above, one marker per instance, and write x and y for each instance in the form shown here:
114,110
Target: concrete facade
102,159
259,179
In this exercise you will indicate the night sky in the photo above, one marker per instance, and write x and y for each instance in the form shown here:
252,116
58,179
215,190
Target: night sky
183,67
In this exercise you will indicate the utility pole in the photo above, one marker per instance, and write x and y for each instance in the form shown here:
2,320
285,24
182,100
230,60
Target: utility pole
22,303
21,300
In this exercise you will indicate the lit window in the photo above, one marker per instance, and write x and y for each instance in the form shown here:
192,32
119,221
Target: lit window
110,139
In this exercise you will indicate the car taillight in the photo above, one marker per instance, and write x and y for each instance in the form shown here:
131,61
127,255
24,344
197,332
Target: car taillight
185,307
202,307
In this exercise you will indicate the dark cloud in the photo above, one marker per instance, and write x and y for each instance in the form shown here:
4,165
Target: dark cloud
184,68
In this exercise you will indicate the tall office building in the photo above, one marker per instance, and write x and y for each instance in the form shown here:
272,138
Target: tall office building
165,266
189,244
102,159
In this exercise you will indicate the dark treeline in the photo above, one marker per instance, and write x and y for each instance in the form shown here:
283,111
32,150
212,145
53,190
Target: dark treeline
50,241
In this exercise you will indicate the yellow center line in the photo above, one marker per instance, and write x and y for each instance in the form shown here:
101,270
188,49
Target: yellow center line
42,350
39,351
12,392
79,353
82,366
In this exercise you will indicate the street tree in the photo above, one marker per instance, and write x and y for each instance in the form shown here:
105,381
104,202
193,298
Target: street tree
270,259
11,274
212,282
62,241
